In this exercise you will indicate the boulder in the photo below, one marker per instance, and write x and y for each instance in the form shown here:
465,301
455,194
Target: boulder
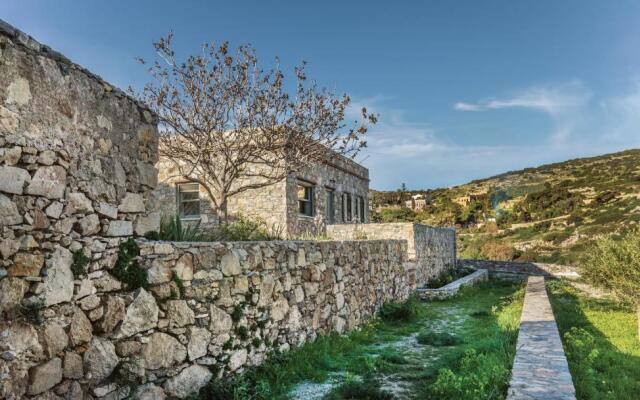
88,225
163,351
131,203
12,291
199,339
9,214
147,223
179,314
230,264
100,360
49,182
58,284
221,322
189,380
45,376
13,180
184,267
120,228
80,330
72,368
237,359
149,392
55,338
78,203
113,314
26,264
141,315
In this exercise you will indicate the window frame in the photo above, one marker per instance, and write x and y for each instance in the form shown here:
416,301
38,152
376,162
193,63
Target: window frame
361,208
331,205
347,207
180,201
309,189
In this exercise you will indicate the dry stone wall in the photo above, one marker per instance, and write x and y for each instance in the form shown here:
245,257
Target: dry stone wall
76,163
76,175
433,249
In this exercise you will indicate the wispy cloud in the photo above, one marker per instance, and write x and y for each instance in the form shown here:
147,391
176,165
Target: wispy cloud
564,103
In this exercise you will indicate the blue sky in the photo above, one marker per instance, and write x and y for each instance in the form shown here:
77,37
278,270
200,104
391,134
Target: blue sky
464,89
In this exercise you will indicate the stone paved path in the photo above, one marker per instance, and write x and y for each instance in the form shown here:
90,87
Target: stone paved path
540,369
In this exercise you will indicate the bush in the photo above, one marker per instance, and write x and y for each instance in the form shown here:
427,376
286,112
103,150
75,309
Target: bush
407,310
367,389
615,265
127,270
173,230
437,339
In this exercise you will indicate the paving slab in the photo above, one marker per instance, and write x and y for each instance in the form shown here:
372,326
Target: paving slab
540,369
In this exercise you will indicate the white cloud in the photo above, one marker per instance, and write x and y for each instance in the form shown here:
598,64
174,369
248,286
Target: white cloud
564,103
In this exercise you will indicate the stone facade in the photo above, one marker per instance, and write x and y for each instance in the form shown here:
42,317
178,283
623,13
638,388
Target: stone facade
277,204
433,249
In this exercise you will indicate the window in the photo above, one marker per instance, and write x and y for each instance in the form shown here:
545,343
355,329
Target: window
188,200
305,199
346,207
330,207
361,208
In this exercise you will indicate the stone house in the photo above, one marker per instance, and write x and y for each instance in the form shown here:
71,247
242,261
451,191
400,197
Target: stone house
334,192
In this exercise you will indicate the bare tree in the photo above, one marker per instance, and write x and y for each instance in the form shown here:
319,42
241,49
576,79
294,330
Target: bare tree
231,126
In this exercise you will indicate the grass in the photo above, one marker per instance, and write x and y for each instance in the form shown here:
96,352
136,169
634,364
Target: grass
482,353
601,342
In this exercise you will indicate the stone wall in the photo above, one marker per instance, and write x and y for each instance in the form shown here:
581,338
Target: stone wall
433,249
513,268
76,164
243,299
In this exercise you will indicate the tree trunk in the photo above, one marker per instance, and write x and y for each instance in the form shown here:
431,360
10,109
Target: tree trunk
222,212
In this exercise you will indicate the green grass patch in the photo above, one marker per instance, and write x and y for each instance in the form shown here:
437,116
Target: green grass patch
601,342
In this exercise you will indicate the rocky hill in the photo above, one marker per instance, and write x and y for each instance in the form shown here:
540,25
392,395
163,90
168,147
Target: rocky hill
550,213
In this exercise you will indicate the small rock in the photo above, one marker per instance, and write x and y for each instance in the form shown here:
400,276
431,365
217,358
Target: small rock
120,228
12,291
230,264
78,203
100,360
149,392
179,313
49,182
26,264
189,380
45,376
58,284
221,322
163,351
131,203
89,225
80,330
72,366
9,214
108,210
237,359
13,180
184,267
147,223
55,338
54,210
141,315
199,339
113,314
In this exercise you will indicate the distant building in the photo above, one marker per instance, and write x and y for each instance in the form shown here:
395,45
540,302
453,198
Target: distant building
417,202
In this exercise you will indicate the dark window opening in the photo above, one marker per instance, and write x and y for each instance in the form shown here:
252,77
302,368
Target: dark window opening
361,208
188,200
346,207
305,200
330,207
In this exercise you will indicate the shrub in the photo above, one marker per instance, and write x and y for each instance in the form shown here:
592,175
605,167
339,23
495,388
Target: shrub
367,389
127,270
173,230
244,229
615,265
407,310
437,339
80,261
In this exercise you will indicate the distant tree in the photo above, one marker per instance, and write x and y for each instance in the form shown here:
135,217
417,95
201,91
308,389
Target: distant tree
230,126
615,265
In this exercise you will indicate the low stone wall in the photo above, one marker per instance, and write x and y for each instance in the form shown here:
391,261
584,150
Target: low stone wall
209,308
433,249
451,289
507,269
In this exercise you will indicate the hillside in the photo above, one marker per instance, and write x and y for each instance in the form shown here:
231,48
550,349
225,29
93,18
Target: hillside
550,213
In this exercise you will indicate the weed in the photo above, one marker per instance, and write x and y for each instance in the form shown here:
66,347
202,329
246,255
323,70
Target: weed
176,279
368,389
406,311
237,313
127,270
437,339
242,332
80,262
